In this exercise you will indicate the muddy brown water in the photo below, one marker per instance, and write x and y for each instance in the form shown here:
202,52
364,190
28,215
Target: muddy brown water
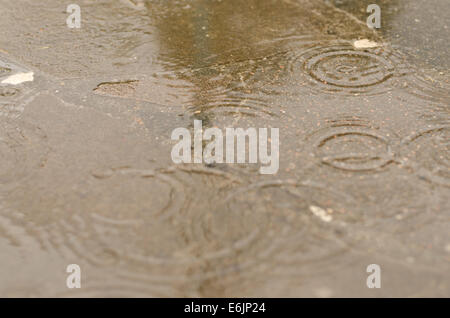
86,175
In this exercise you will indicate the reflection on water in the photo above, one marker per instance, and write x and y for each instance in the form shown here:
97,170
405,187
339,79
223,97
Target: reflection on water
231,54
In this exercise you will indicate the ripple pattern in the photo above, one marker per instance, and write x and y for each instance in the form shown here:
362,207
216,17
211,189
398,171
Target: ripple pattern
427,88
427,154
242,232
338,68
353,146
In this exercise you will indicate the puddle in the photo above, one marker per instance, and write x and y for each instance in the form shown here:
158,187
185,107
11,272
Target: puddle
86,175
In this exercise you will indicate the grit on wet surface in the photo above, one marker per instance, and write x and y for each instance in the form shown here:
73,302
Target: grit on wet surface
86,175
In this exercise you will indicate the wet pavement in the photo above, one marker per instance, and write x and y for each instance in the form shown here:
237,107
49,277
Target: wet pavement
86,175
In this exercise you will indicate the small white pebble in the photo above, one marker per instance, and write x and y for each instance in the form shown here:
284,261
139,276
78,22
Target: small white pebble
365,44
19,78
321,213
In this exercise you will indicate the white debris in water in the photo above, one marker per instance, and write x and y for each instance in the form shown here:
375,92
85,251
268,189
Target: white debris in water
365,44
321,213
19,78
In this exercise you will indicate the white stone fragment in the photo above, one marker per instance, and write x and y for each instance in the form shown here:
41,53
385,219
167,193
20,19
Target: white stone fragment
365,44
19,78
321,213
